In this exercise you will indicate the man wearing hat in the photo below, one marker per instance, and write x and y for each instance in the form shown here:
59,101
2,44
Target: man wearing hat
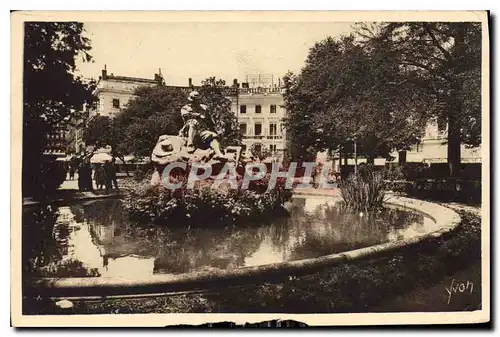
194,116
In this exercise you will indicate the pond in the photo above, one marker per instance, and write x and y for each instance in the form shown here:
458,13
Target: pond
97,238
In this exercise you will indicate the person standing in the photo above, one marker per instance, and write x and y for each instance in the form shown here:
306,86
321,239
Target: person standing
85,176
110,170
71,171
113,173
81,179
99,176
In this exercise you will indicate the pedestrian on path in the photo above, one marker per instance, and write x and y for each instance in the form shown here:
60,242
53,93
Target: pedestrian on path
99,176
85,177
71,172
110,169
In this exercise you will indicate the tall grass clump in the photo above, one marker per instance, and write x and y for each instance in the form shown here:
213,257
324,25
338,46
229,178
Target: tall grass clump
363,191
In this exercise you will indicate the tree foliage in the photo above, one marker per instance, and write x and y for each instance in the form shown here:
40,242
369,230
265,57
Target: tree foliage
154,111
444,60
102,131
347,91
382,85
52,92
221,119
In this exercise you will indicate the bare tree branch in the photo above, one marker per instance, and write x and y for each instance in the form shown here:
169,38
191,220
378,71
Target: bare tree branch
446,53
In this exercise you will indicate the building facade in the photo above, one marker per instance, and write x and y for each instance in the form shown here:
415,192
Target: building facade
57,142
434,149
76,144
260,115
114,92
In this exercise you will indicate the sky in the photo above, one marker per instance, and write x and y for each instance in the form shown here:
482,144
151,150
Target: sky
198,50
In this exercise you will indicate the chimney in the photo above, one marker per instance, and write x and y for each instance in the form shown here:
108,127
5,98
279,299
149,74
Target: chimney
190,81
104,73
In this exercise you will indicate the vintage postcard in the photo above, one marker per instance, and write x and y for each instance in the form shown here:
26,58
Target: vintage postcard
283,168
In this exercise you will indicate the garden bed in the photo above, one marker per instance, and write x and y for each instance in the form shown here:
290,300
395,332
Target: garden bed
221,204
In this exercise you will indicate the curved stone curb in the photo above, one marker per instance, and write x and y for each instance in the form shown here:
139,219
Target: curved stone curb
84,287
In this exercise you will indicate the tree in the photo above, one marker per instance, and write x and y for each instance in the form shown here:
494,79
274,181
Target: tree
260,151
214,94
154,111
444,59
99,132
348,92
52,92
102,131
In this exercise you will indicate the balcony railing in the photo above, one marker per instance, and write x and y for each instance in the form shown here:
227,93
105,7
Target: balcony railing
261,137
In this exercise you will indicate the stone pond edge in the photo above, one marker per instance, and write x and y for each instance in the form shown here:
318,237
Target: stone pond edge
101,287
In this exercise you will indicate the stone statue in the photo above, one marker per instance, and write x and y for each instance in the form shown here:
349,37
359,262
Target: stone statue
195,142
199,135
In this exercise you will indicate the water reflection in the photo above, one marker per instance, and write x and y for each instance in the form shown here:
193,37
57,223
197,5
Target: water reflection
47,247
103,241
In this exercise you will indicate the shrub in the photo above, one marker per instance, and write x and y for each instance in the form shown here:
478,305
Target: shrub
194,206
143,171
414,171
45,180
399,186
394,172
364,190
449,189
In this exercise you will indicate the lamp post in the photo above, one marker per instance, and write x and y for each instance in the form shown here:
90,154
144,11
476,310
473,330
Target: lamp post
355,158
355,139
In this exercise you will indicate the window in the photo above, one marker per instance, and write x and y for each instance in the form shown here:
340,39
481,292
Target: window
258,129
272,109
272,147
116,103
258,109
243,109
243,128
272,129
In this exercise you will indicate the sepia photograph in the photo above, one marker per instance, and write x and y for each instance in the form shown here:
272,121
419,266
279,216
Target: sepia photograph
275,165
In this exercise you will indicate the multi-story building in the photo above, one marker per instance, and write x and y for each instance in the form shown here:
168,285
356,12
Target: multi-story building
67,138
57,142
76,143
260,114
114,92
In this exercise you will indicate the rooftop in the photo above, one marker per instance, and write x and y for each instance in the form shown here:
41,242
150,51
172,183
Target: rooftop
130,79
